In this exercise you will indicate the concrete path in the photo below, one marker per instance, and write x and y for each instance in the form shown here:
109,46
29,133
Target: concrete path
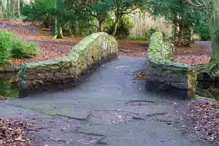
109,108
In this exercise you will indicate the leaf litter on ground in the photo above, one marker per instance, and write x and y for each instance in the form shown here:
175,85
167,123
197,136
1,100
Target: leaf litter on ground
203,115
140,74
14,133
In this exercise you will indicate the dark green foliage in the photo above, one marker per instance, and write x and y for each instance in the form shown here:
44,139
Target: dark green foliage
203,32
10,46
56,15
6,43
180,13
124,27
26,10
99,10
81,16
23,50
39,9
202,28
9,89
123,7
149,33
83,28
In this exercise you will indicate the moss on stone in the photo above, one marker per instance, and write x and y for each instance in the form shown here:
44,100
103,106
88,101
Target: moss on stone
91,50
162,68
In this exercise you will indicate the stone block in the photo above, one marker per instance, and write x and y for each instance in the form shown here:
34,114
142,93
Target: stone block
162,70
76,64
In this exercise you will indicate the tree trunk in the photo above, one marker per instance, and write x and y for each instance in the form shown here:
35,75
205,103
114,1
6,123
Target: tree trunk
1,10
8,8
18,8
175,28
116,26
100,26
214,30
58,26
55,29
60,33
12,5
181,32
191,34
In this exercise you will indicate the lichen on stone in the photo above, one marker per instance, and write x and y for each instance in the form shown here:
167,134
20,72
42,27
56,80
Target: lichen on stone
90,51
161,69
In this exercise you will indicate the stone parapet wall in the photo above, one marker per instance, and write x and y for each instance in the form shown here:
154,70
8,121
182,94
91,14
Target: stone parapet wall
81,60
9,68
164,74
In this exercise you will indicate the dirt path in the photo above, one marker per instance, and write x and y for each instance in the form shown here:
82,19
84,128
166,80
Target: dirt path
109,108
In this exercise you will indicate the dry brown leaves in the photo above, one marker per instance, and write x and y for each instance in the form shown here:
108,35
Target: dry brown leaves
47,52
14,133
205,118
140,75
30,31
49,48
133,48
194,48
192,60
194,55
56,48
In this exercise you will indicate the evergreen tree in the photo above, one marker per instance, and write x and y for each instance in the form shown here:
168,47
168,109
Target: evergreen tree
124,7
211,6
92,8
101,9
180,13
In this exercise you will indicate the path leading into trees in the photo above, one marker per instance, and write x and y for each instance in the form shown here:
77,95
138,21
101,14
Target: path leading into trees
109,108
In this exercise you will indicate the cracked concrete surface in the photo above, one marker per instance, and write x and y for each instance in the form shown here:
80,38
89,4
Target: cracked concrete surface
108,108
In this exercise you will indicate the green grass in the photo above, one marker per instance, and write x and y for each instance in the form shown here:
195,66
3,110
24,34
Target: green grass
137,39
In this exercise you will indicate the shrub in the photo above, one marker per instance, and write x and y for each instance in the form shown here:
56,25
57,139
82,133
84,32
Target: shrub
203,31
149,33
124,27
21,49
26,10
6,43
10,46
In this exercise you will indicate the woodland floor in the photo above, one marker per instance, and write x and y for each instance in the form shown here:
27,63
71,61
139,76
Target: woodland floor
56,48
198,53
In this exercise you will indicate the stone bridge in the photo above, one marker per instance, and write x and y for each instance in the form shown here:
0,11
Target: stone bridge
108,108
81,61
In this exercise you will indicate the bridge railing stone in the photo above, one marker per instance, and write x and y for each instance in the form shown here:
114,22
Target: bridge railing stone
81,60
164,74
